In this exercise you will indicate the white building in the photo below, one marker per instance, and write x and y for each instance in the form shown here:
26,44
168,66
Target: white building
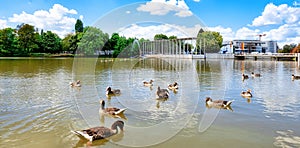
248,46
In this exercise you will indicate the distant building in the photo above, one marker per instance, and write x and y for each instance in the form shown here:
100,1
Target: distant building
249,46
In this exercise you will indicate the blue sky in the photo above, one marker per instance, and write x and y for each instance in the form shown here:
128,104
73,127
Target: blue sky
243,19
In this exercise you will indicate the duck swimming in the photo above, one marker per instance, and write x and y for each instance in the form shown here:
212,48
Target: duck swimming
75,84
173,86
295,77
255,74
100,132
246,94
162,93
244,76
217,103
110,110
148,83
110,91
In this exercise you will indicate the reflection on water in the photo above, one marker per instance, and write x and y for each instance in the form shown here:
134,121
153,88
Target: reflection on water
38,107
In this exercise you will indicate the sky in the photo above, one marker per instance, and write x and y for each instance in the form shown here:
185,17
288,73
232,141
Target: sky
279,20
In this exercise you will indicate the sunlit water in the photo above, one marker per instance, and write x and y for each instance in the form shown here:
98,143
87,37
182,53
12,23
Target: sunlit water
39,109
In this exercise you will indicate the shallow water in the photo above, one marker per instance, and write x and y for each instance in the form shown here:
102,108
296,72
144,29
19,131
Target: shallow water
39,108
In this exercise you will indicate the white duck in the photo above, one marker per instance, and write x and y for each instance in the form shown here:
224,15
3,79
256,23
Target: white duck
100,132
173,86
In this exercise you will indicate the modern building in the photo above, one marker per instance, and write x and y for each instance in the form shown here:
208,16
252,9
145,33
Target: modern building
249,46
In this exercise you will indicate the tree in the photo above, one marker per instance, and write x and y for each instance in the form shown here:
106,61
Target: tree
8,42
92,41
50,42
78,26
27,39
120,46
288,48
172,37
160,37
209,41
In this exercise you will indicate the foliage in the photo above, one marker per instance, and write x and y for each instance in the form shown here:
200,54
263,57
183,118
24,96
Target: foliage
92,41
78,26
209,41
8,42
28,39
50,42
160,37
287,48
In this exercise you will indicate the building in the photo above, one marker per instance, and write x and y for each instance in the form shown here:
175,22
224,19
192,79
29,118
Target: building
257,46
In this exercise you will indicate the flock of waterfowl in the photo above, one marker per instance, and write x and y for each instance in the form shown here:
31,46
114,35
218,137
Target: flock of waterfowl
101,132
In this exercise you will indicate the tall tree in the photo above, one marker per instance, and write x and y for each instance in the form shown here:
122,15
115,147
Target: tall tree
51,42
160,37
209,41
78,26
8,42
92,41
27,39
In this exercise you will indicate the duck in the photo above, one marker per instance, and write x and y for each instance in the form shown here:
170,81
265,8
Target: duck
244,76
294,77
110,110
173,86
217,103
75,84
148,83
162,93
255,74
110,91
246,94
100,132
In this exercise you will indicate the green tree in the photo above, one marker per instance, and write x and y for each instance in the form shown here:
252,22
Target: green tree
287,48
78,26
209,41
8,42
120,46
92,41
50,42
172,37
28,39
160,37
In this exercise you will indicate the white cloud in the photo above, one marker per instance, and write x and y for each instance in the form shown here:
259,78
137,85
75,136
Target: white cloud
148,32
163,7
227,33
196,0
281,14
58,19
3,24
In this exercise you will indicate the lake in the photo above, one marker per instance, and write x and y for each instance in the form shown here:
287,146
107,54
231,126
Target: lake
39,108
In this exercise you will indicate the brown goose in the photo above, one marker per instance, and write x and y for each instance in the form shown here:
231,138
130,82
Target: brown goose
162,93
100,132
295,77
110,110
246,94
244,76
75,84
173,86
110,91
217,103
255,74
148,83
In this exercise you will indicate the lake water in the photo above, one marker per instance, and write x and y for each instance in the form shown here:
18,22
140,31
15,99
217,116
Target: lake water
39,109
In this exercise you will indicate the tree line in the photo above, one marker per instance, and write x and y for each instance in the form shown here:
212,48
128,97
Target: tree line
26,40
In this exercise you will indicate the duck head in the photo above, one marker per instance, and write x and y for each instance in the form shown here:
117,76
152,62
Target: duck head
208,99
108,88
102,104
119,124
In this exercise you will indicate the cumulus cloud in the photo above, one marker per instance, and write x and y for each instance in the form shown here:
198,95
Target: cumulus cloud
3,24
281,14
227,33
58,19
148,32
163,7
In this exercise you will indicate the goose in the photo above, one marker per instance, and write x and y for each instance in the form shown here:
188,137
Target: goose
173,86
244,76
246,94
110,110
76,84
148,83
100,132
110,91
255,74
295,77
162,93
217,103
